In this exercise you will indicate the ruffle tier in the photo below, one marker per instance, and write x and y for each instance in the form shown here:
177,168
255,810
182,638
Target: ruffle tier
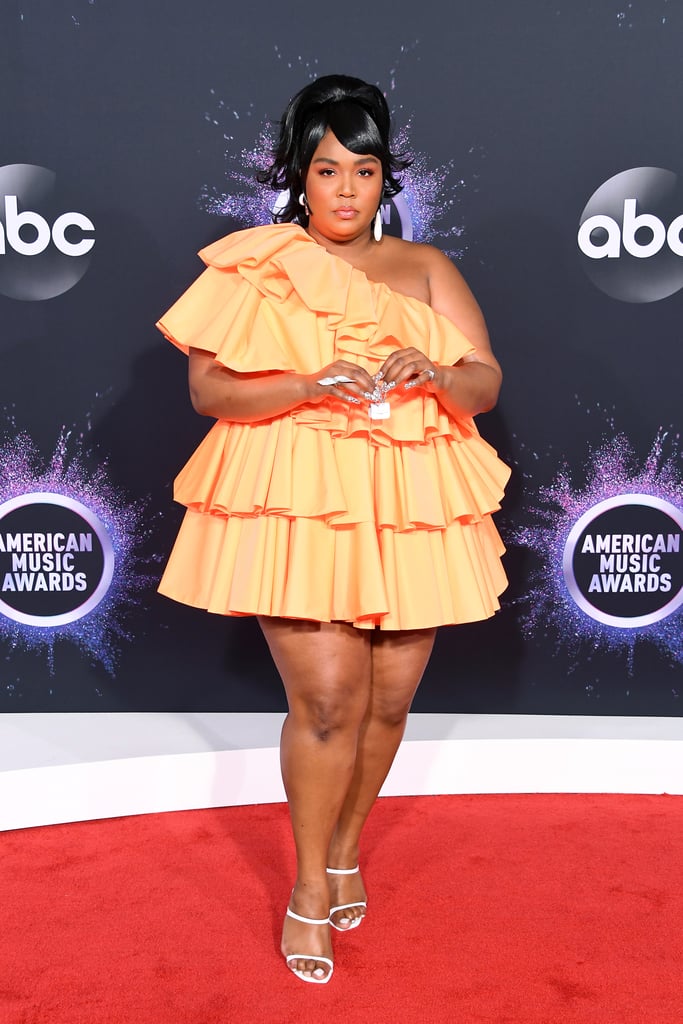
302,569
281,468
323,513
273,299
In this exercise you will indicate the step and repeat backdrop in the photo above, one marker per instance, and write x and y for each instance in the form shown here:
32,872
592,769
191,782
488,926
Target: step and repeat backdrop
547,162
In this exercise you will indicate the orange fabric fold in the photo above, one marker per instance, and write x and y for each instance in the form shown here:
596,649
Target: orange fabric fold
322,513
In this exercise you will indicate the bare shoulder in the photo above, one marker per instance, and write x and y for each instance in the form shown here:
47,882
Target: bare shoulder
417,254
441,270
424,272
450,295
447,286
405,266
426,263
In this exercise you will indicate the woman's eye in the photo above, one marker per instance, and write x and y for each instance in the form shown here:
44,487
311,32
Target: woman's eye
366,172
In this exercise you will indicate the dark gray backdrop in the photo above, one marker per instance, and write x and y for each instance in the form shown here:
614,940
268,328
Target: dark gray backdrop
534,104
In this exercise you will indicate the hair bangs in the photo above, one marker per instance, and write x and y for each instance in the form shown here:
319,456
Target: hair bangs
355,129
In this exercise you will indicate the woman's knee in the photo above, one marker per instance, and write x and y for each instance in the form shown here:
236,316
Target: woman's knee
391,710
330,711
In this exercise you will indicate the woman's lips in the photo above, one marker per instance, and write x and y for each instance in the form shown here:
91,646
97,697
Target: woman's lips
345,212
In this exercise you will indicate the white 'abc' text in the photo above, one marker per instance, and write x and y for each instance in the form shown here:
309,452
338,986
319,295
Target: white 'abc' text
632,223
15,221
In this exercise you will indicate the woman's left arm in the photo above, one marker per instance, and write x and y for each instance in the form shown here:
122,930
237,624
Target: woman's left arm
473,384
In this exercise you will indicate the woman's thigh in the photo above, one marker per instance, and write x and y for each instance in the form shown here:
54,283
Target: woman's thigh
399,659
322,664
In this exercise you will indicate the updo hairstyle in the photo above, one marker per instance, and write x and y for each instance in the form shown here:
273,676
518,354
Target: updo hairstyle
358,115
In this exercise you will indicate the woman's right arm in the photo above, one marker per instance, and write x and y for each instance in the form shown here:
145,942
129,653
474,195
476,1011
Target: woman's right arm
244,398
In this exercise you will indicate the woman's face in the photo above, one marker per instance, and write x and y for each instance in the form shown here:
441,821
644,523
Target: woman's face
343,191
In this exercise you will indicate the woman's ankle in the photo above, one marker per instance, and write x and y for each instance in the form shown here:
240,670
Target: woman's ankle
343,856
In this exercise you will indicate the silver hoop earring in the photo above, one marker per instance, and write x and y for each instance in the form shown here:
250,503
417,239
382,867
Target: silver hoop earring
377,228
302,200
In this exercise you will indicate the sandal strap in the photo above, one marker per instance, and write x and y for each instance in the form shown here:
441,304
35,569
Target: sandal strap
343,871
307,920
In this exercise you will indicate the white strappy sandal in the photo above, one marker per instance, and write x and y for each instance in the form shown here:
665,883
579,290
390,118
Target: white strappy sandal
346,906
308,956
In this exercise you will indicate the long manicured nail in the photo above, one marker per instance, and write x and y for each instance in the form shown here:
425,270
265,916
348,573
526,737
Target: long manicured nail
409,384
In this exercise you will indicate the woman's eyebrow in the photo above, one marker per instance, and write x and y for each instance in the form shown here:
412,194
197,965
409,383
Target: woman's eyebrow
361,160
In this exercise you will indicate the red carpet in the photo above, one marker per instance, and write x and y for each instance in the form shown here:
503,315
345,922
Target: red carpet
499,909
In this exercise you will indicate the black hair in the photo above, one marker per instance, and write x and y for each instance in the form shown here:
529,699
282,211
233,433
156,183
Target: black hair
356,112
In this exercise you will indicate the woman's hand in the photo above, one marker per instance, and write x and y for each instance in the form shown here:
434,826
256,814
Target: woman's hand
411,368
340,379
469,387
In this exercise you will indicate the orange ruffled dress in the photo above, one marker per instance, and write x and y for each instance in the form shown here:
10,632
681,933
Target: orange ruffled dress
322,513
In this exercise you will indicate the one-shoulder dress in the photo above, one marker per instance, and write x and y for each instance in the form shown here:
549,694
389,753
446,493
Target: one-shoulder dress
321,512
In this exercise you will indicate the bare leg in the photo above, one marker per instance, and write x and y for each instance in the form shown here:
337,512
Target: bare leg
326,671
398,663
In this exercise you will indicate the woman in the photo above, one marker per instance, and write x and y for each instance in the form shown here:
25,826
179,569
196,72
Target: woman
344,495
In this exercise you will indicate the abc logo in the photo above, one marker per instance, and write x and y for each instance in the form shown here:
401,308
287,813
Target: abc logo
630,235
44,251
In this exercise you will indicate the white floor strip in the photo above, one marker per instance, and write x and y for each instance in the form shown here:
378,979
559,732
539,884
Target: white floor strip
59,768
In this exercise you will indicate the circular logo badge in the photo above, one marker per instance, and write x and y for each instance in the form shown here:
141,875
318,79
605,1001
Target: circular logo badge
396,219
56,559
44,251
623,560
630,235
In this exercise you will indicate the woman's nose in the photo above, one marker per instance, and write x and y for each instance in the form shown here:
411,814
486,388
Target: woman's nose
346,187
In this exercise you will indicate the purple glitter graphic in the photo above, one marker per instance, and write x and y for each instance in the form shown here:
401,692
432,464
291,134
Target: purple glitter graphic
431,193
611,470
99,633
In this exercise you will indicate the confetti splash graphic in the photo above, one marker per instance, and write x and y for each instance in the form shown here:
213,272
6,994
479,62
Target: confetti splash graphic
548,609
638,13
68,472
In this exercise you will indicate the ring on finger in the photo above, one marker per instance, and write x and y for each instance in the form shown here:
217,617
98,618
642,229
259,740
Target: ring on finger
331,381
